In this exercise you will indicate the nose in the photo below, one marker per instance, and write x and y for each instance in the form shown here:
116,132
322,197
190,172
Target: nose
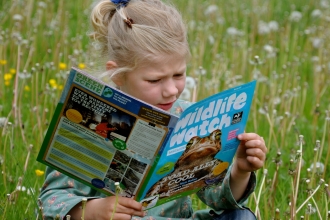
170,88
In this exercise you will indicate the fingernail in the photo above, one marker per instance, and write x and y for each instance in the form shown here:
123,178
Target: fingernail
239,136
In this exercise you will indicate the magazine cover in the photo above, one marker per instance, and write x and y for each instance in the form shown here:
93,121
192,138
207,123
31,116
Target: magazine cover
99,135
201,147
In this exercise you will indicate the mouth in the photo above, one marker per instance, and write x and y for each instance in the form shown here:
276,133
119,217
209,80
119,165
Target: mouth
166,106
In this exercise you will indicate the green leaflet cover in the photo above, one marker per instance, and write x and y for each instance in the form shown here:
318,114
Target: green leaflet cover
100,135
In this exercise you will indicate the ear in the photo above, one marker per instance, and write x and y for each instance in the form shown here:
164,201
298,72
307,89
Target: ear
118,79
111,65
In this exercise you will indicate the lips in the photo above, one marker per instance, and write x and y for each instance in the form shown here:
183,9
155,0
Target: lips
166,106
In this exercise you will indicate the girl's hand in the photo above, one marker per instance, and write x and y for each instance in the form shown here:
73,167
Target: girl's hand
250,156
103,208
251,153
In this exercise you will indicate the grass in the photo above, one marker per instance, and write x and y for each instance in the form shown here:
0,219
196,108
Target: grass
285,45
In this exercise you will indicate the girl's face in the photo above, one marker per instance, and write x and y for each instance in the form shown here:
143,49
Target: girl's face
158,83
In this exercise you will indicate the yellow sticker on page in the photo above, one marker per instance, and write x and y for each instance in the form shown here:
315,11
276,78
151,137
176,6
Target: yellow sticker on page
220,168
74,116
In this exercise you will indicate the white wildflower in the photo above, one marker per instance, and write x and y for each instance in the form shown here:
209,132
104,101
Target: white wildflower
3,122
315,59
21,188
318,68
220,20
317,42
316,13
200,71
185,95
24,75
324,4
295,16
17,17
269,49
190,82
257,75
211,9
319,167
273,26
211,39
310,209
42,4
262,111
278,119
232,31
263,28
277,100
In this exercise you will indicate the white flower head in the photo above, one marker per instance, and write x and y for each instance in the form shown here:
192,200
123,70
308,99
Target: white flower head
211,9
268,48
21,188
317,42
17,17
295,16
200,71
316,13
262,111
319,167
185,95
190,82
211,39
315,59
277,100
324,4
232,31
263,28
3,122
42,4
24,75
273,25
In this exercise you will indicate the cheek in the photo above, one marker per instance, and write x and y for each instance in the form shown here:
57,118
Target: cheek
180,86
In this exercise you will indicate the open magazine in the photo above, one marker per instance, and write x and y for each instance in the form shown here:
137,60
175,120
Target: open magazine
99,136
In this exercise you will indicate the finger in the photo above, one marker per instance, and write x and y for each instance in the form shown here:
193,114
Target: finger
249,136
255,162
130,203
120,216
256,144
130,212
256,152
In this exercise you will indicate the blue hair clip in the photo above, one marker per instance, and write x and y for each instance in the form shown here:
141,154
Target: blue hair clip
120,3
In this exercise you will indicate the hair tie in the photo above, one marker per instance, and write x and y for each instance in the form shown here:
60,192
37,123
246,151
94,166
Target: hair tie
123,3
120,3
129,22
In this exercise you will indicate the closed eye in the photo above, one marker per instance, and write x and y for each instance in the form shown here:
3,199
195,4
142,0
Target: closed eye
179,75
153,81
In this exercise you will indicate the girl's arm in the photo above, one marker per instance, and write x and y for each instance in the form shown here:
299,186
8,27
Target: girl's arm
61,195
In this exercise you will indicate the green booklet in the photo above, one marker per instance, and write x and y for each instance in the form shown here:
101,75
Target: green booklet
100,135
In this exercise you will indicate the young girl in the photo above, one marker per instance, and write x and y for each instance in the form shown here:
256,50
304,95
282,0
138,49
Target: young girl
145,46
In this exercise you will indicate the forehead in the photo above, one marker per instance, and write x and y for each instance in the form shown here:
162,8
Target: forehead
164,63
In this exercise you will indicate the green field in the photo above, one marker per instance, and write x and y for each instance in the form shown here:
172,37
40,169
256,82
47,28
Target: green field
285,45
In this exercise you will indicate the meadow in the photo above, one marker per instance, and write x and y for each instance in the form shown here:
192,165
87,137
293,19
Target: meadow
284,45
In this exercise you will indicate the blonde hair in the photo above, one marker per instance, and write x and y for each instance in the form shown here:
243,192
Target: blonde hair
156,29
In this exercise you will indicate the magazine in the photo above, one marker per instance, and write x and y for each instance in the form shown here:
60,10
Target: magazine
100,135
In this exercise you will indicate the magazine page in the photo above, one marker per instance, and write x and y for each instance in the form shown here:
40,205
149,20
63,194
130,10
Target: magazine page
99,135
201,147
